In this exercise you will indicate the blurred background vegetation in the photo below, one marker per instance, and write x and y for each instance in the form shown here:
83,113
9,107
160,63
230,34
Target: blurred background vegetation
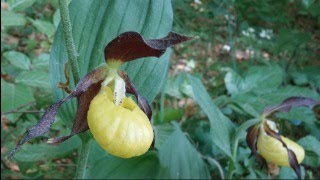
250,54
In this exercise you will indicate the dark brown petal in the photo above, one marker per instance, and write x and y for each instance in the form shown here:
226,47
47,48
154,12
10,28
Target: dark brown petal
291,155
131,45
142,102
294,163
289,103
48,118
252,138
80,121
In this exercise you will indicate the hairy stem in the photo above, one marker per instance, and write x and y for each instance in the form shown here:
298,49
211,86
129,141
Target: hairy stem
83,156
72,56
67,32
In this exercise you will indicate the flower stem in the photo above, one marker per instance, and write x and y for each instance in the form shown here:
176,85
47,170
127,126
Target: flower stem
72,56
67,32
215,162
83,157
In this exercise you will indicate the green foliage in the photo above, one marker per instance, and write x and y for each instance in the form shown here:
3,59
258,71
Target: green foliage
43,26
14,96
18,59
39,152
181,158
9,18
249,55
146,166
311,145
19,5
220,126
34,78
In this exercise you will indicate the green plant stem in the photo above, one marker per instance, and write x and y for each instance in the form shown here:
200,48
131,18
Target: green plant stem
83,157
67,32
72,56
230,170
216,163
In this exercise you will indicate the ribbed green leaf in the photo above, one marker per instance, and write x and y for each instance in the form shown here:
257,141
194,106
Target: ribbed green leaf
43,26
146,166
14,96
18,59
34,78
181,158
220,126
37,152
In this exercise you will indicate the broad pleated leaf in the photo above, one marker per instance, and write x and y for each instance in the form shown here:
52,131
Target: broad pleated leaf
181,157
146,166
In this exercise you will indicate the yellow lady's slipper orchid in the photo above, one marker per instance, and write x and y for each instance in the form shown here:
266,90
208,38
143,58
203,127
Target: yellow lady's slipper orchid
123,130
120,125
272,150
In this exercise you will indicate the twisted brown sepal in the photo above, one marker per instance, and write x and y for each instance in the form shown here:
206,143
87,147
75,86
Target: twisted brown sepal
142,101
252,138
289,103
293,161
131,45
85,90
